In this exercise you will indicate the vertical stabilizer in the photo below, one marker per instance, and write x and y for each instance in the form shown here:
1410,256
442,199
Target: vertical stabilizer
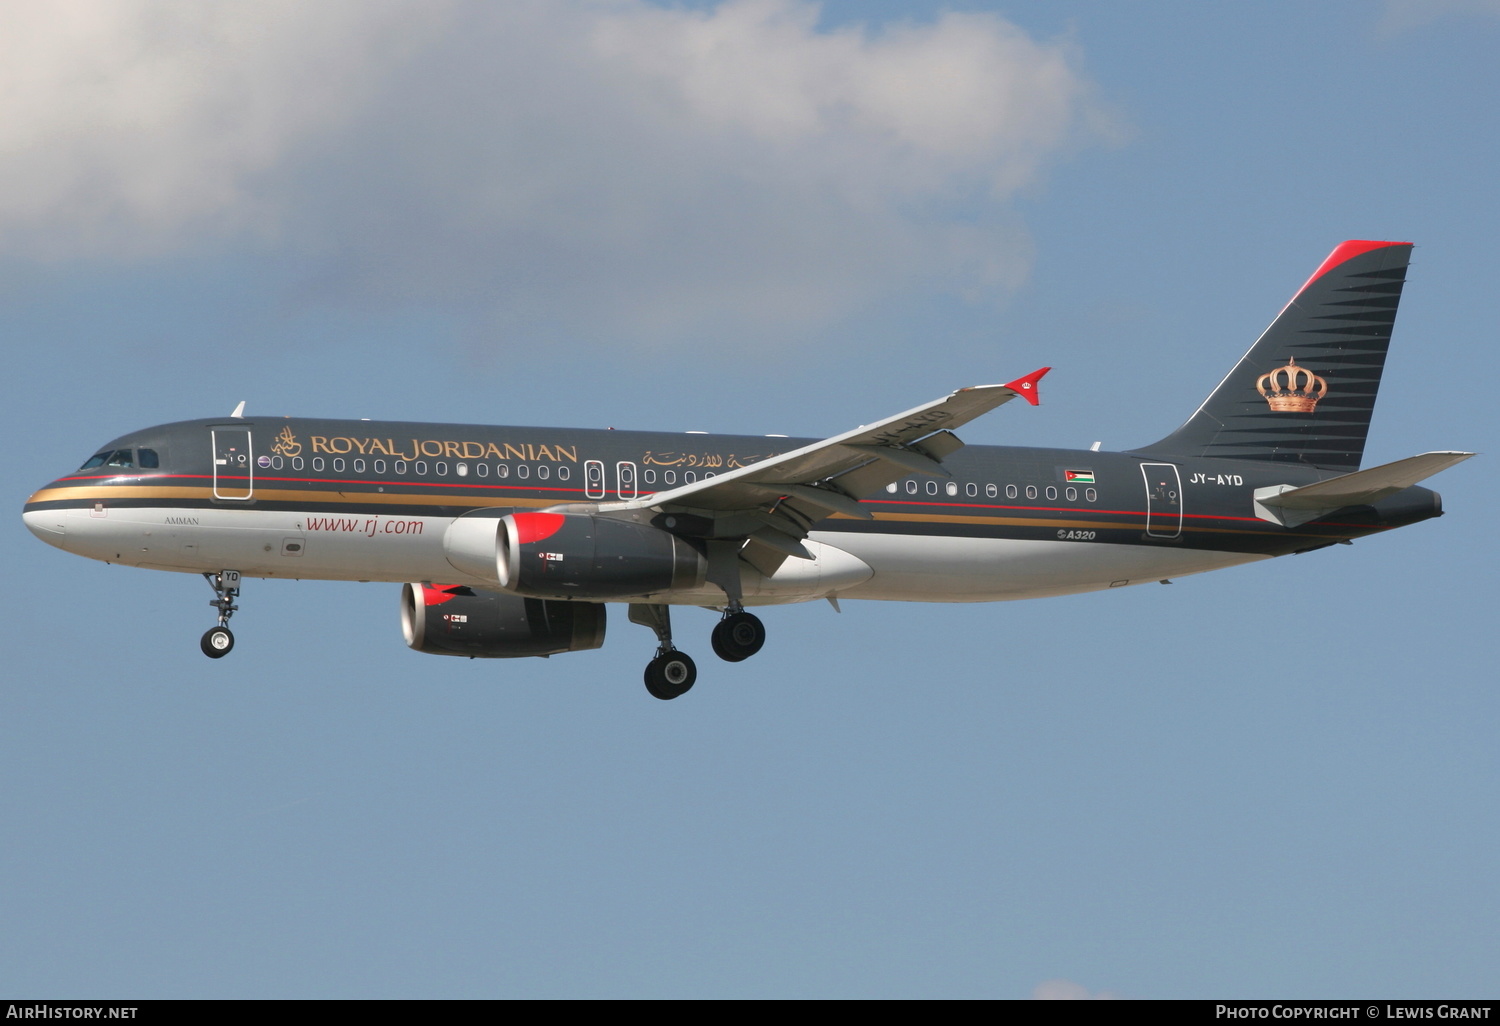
1305,391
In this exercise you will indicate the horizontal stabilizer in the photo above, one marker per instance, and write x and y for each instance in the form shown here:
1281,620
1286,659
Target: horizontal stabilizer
1284,504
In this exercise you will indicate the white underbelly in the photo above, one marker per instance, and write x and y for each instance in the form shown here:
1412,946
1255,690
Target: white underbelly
929,569
382,547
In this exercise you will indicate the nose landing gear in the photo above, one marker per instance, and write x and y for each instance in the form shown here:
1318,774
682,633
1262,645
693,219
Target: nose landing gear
217,641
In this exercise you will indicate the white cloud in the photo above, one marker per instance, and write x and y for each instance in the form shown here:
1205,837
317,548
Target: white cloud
136,128
657,169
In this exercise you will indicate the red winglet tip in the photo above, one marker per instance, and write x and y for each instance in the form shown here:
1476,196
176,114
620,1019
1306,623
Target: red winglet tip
1026,387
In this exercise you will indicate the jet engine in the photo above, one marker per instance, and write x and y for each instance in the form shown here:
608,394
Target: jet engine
447,619
573,555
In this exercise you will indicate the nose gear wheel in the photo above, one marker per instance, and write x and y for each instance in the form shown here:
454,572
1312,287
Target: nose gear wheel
216,643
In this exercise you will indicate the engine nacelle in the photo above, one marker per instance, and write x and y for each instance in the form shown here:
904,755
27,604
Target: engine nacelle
444,619
580,555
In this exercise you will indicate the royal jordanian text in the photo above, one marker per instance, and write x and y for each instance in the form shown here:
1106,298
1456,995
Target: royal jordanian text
435,448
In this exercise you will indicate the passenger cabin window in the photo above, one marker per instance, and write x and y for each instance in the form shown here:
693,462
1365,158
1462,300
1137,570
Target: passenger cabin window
317,463
562,473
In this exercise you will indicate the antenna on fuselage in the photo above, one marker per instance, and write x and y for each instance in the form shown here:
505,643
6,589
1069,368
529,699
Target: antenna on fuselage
239,411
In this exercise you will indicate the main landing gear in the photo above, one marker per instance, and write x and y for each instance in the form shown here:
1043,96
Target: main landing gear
672,672
217,641
736,637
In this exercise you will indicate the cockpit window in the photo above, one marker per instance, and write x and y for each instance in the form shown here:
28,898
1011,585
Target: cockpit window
148,459
119,458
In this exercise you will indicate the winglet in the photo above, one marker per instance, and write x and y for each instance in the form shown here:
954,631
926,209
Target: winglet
1026,387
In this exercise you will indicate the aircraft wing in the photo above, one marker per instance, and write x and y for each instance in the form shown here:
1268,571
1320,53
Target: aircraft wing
779,498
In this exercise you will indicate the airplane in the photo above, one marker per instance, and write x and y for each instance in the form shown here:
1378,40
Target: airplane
511,542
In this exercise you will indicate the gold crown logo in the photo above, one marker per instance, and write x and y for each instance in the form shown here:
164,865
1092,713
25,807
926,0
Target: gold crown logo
1292,389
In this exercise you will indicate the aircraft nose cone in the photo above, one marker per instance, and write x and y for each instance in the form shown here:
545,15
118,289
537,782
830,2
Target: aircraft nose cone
46,524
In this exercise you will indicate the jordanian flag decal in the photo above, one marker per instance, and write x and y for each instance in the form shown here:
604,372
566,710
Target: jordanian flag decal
1079,476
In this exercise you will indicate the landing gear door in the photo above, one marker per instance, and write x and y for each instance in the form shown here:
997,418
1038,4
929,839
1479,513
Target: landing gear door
234,463
1163,500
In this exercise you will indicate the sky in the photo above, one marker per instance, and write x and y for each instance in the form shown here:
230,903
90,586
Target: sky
752,216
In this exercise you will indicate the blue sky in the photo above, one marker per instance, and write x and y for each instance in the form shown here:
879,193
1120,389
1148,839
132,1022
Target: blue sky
1277,780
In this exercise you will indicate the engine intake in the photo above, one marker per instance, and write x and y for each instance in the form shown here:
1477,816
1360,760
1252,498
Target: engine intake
447,619
580,555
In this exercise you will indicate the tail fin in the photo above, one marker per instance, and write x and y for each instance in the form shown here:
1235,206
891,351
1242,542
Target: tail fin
1305,390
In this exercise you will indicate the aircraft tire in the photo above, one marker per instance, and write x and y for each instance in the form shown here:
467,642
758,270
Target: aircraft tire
670,675
217,642
738,637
